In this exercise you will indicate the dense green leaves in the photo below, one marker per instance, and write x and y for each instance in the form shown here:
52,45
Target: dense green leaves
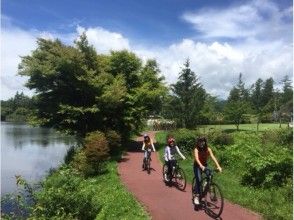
188,98
78,91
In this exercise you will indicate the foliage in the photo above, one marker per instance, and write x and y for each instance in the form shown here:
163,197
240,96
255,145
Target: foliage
188,98
254,171
238,103
219,138
64,196
272,170
185,139
96,150
67,195
114,141
17,109
79,91
282,138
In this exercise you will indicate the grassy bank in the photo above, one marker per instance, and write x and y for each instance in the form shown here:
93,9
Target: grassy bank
65,194
271,200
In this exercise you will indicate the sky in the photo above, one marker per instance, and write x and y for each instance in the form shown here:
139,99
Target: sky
221,38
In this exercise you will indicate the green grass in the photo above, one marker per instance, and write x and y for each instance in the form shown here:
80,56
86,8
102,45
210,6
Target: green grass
271,203
242,127
68,195
117,202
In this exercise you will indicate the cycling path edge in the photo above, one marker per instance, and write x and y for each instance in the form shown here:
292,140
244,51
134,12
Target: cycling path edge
163,202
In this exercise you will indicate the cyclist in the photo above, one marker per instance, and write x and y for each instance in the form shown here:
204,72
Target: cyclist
147,144
201,154
169,156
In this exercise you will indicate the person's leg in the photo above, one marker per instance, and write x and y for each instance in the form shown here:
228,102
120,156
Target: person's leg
145,156
197,174
169,171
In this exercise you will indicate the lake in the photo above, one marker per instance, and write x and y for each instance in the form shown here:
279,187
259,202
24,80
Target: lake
30,152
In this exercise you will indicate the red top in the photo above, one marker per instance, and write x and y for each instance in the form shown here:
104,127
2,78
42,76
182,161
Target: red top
203,155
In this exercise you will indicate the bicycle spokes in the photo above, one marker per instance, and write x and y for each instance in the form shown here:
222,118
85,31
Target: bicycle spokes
214,200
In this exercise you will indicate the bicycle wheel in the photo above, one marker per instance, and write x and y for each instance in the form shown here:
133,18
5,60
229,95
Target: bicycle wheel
193,185
164,172
148,165
180,179
214,200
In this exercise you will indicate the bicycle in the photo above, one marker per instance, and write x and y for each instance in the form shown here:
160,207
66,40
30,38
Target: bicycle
147,161
178,175
211,197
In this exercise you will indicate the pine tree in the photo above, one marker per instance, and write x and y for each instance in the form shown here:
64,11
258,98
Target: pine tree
189,95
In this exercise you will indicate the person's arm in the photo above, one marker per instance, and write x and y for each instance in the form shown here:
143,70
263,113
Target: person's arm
214,160
152,145
143,146
197,159
179,152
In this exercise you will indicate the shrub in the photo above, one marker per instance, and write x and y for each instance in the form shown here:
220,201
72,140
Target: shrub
282,137
96,150
271,170
63,197
185,139
90,160
114,141
81,164
218,137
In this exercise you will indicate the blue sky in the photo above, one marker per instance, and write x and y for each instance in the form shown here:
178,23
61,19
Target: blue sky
221,38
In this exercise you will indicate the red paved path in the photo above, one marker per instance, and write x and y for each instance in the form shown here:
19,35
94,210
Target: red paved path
163,202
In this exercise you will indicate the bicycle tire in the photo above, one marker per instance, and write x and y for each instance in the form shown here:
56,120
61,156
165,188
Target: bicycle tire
148,165
181,179
214,200
193,184
164,171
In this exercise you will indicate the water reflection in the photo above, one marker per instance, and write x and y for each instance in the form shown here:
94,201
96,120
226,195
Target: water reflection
29,152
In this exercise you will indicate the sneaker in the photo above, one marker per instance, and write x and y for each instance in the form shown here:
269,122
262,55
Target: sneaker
196,200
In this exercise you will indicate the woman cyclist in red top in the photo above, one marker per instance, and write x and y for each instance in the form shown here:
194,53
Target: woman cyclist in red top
201,154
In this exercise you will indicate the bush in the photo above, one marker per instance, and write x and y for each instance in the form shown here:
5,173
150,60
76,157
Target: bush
63,197
185,139
90,160
96,150
283,137
271,170
218,137
114,141
80,164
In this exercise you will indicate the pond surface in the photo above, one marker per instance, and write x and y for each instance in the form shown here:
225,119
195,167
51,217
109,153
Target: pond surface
30,152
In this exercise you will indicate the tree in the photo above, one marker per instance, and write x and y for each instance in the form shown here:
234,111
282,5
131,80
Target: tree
189,97
256,100
287,94
79,91
209,111
152,90
237,104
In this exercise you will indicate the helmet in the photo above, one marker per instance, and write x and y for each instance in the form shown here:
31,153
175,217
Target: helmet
145,135
170,140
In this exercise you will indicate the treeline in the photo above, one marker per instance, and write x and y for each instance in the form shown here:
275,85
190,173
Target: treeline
17,109
80,91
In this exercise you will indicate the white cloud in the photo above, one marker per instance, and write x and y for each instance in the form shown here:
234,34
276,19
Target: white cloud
14,43
264,49
104,40
259,19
